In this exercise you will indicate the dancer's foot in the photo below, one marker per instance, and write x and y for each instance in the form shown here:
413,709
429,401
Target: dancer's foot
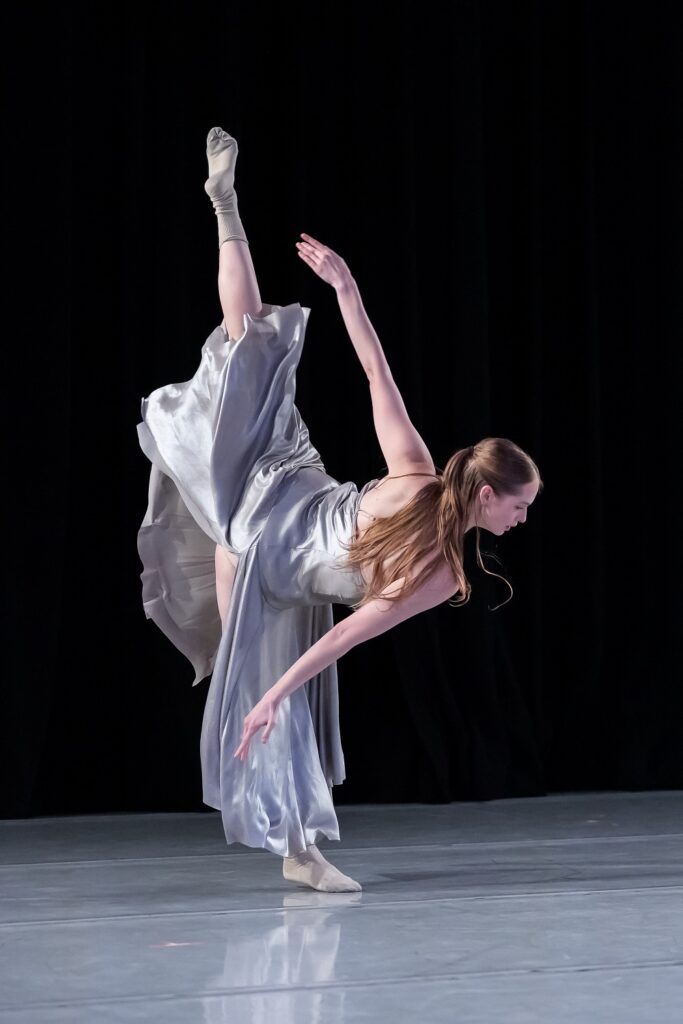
221,153
310,868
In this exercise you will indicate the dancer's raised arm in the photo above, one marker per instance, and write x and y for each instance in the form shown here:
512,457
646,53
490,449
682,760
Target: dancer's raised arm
402,446
332,269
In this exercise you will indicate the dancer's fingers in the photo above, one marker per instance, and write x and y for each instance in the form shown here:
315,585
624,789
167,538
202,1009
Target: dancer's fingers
309,250
313,241
269,726
307,260
243,748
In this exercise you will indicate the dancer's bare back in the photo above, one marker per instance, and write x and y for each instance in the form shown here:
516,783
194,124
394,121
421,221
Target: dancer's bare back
389,496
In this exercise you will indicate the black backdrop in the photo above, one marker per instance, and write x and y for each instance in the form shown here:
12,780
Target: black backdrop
504,181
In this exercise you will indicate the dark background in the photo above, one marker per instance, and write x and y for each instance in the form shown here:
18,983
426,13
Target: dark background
504,180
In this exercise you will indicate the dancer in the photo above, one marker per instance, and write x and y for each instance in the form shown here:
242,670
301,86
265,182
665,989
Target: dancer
247,542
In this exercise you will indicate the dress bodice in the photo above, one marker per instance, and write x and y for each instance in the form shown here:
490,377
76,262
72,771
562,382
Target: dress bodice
303,542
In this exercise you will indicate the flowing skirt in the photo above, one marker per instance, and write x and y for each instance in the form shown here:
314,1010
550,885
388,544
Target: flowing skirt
232,464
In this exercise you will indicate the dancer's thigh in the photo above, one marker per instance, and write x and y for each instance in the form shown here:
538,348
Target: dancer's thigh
226,565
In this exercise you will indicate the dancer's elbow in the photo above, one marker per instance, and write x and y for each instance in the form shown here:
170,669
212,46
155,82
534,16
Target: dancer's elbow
342,639
374,618
380,614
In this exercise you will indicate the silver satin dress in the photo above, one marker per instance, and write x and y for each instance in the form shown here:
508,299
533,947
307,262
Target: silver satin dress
232,464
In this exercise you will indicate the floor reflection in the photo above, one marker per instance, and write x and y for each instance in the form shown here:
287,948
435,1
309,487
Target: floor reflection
300,950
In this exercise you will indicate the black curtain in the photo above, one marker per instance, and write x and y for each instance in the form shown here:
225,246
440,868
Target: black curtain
504,181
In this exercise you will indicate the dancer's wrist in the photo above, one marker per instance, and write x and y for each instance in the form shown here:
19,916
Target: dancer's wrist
284,687
347,286
278,692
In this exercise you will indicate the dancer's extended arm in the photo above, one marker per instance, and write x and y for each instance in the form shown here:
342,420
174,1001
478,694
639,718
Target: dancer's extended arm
372,619
331,268
402,446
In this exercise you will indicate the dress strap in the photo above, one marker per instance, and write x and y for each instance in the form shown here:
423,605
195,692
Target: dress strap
380,481
398,475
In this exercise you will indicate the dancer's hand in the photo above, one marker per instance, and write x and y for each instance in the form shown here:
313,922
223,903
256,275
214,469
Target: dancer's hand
327,264
263,713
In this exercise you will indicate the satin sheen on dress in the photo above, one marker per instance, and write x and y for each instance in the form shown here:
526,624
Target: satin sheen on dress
232,464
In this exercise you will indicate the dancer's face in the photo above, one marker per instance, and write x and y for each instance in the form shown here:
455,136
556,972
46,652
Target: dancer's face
500,514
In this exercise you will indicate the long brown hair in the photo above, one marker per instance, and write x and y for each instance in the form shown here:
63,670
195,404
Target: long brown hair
434,521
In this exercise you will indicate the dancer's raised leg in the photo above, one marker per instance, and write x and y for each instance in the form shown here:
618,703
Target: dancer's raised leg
237,285
226,566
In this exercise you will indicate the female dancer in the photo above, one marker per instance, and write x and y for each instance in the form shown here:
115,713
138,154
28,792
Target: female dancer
247,542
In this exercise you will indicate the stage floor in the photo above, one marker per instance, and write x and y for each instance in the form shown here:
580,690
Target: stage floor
557,909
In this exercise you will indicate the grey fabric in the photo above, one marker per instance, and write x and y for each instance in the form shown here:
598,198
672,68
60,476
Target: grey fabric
232,464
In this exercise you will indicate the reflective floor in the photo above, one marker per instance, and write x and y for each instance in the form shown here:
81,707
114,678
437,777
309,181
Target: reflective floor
553,909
